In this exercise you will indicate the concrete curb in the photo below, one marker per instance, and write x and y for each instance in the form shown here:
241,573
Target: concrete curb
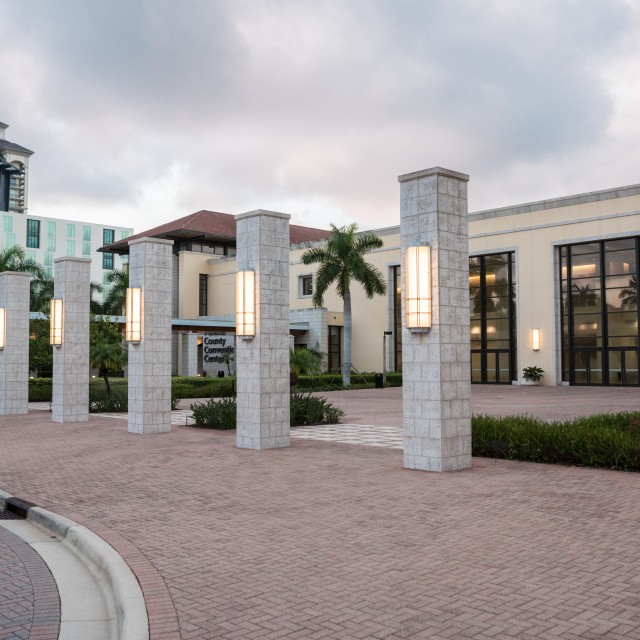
103,561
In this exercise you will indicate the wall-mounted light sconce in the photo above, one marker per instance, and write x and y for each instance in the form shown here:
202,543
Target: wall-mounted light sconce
245,304
417,279
535,339
133,325
3,327
55,319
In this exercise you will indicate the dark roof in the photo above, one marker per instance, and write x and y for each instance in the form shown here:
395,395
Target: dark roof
3,125
12,146
211,226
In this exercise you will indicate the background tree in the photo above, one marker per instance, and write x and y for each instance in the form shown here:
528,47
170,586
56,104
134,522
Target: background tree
40,351
106,349
341,261
15,259
629,295
42,291
118,281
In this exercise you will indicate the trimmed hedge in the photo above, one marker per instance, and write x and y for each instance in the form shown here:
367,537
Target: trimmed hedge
610,441
333,381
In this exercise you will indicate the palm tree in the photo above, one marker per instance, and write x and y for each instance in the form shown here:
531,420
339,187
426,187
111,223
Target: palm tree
118,281
15,259
42,291
629,295
341,260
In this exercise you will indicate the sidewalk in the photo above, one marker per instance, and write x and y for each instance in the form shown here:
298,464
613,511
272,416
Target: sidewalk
331,540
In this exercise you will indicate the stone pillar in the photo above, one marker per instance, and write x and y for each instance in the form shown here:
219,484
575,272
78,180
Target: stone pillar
262,363
70,396
150,268
435,364
14,358
189,354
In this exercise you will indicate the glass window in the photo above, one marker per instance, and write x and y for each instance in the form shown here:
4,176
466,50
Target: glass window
30,255
51,229
8,223
202,295
600,316
305,285
86,249
71,247
71,230
10,239
108,236
86,233
107,260
48,259
124,234
33,234
51,244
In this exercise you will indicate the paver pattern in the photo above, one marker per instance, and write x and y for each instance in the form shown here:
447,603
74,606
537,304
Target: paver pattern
329,540
29,600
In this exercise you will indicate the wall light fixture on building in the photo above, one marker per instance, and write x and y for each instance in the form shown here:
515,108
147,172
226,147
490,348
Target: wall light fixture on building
535,339
418,288
55,314
245,304
133,325
3,327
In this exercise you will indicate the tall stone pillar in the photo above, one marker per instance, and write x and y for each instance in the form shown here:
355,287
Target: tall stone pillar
436,364
189,354
70,396
262,362
14,358
150,269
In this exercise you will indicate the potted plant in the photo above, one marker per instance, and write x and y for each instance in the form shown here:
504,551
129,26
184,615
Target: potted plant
532,375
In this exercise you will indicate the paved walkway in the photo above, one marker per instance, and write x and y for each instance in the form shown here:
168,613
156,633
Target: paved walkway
29,600
331,540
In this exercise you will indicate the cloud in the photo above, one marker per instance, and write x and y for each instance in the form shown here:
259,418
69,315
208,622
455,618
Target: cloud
150,110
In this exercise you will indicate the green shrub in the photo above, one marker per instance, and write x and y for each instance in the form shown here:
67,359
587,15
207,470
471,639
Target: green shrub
333,381
609,441
306,409
215,414
40,389
100,402
203,387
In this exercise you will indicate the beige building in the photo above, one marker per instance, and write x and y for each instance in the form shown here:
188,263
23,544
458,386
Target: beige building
566,268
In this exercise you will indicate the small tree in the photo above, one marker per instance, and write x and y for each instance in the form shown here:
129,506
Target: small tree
106,349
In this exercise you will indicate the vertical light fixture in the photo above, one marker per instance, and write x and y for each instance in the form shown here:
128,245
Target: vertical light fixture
245,303
535,339
417,280
3,327
55,319
133,325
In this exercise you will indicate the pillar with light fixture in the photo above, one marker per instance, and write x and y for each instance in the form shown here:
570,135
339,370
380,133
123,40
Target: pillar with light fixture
69,326
435,318
148,334
262,330
14,342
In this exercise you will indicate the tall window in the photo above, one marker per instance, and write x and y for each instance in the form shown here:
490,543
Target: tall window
71,230
86,233
202,295
599,305
108,236
335,348
33,234
492,295
107,260
71,247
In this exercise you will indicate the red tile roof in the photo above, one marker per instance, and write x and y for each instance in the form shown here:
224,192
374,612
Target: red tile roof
211,225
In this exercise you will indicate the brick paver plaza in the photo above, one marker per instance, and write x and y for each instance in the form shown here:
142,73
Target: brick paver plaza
332,540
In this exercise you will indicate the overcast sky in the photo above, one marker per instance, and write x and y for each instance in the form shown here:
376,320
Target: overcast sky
143,111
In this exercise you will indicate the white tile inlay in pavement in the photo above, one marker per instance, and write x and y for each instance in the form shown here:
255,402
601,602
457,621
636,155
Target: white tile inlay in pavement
365,434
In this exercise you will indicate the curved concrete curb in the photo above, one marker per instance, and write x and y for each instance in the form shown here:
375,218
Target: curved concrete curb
104,562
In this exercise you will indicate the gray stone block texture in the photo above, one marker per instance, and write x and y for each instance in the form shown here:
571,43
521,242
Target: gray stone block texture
150,268
435,364
189,354
70,394
14,358
262,363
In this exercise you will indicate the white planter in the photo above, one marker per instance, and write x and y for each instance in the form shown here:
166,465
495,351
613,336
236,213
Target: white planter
529,383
